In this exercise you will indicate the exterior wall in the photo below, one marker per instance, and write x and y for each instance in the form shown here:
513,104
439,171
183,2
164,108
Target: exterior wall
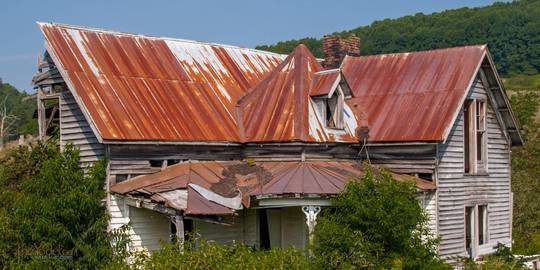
457,189
148,228
287,227
75,129
244,228
428,201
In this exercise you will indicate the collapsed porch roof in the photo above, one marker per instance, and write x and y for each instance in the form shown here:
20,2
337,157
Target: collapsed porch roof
216,188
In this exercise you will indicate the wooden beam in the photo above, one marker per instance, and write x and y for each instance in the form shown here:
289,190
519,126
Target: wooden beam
179,224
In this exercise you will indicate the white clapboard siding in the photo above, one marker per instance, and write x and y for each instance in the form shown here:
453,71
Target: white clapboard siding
456,190
74,128
242,229
428,201
147,228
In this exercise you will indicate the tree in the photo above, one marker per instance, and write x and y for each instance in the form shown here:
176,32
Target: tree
7,120
526,175
377,223
51,214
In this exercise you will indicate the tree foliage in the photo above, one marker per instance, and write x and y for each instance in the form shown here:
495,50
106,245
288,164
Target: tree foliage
512,31
21,108
526,175
51,213
377,223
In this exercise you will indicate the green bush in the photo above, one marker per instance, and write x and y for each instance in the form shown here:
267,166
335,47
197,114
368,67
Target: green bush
51,214
202,254
377,223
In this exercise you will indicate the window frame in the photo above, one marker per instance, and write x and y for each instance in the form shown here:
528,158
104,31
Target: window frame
474,220
475,153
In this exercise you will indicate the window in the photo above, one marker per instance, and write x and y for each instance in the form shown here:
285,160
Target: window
476,228
475,138
482,224
156,163
331,109
469,229
121,177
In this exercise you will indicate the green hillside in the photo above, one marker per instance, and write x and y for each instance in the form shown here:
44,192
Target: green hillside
512,31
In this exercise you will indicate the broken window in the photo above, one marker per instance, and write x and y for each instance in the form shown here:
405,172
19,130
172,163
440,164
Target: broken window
331,109
475,138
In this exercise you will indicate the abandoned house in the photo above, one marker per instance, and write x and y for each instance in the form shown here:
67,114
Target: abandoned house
243,145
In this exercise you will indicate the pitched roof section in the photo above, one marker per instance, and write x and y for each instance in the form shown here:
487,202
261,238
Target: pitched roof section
136,87
277,109
412,96
280,108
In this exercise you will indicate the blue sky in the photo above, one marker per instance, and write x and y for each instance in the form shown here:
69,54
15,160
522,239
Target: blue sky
237,22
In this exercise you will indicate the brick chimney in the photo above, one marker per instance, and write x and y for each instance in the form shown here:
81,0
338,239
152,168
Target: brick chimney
335,48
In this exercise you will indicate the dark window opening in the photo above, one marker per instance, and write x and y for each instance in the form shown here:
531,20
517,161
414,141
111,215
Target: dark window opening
172,161
426,176
482,224
264,232
467,134
469,227
188,229
121,178
156,163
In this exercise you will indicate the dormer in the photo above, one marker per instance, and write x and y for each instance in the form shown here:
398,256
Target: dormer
329,91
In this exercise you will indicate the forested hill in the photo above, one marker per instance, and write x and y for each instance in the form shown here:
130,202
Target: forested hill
18,110
511,30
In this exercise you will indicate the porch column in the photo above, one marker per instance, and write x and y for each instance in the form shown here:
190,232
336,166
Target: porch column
179,224
311,212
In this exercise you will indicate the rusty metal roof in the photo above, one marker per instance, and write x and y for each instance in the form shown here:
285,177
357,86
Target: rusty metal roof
136,87
324,82
280,108
173,186
413,96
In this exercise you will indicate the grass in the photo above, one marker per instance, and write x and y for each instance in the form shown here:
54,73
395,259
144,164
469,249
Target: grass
522,82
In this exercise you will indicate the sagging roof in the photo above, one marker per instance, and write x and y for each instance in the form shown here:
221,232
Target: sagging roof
413,96
280,108
211,188
136,87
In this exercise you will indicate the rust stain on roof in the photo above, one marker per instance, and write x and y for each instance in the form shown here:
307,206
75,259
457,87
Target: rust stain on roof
231,178
412,96
280,107
324,82
145,88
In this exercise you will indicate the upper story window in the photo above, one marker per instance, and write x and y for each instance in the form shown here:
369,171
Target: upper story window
331,110
475,136
329,90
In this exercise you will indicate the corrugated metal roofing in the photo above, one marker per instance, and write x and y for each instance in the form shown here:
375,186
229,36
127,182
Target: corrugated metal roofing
228,179
280,108
412,96
324,81
136,87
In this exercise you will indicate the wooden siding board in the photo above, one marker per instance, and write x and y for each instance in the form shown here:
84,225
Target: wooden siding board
75,129
456,190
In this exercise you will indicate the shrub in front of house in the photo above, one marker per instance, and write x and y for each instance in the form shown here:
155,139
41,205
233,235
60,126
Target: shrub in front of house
376,223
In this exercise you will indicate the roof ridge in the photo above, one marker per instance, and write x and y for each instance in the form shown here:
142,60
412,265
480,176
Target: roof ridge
483,46
115,32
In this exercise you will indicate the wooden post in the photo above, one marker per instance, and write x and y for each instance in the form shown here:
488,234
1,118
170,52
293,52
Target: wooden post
179,223
41,115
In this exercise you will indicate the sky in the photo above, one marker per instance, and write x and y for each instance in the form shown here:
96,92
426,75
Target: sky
236,22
